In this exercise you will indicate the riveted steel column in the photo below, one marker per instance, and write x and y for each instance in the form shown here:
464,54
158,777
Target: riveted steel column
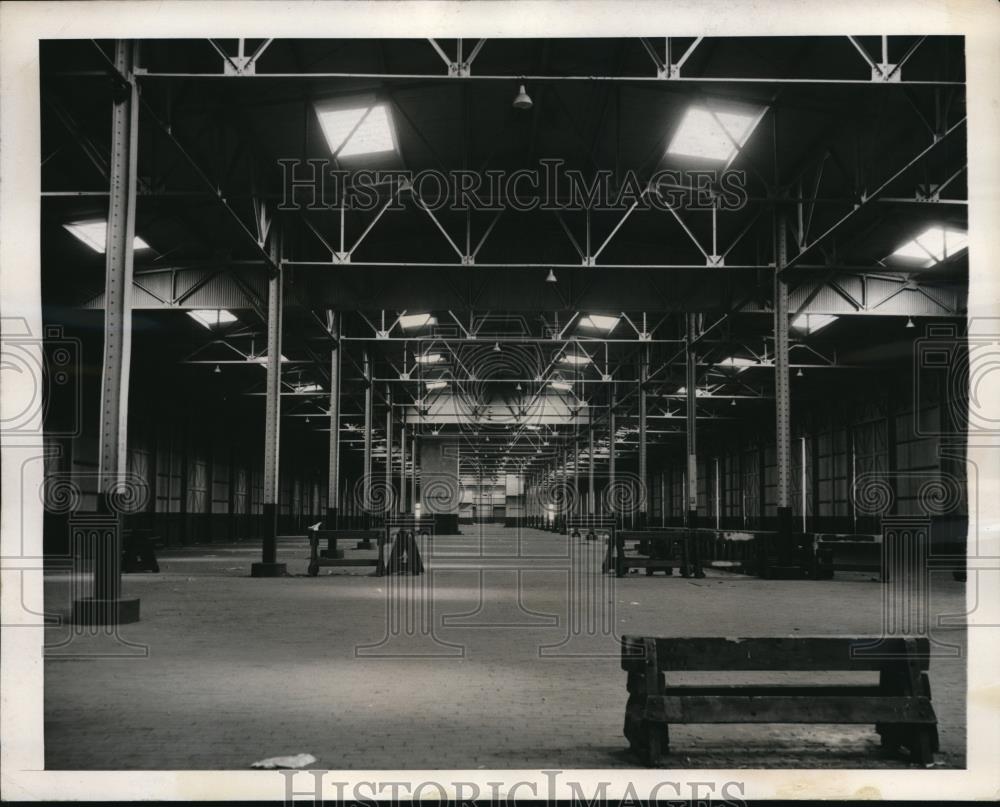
413,473
333,480
106,606
269,567
691,388
366,482
402,463
643,375
610,495
782,392
388,451
591,509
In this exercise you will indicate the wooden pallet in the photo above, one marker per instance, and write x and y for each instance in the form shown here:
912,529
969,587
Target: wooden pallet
899,706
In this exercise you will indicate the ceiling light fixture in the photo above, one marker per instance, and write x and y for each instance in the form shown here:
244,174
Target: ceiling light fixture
522,100
909,322
550,277
496,347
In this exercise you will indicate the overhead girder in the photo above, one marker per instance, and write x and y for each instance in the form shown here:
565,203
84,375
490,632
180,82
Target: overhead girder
593,288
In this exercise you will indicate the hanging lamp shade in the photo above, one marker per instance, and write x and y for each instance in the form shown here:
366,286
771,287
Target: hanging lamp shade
522,100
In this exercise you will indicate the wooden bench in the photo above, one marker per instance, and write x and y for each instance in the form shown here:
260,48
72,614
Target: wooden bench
899,706
656,550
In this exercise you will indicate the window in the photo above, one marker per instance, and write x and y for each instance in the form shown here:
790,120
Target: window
810,323
933,245
211,317
739,363
351,132
410,321
599,322
712,135
95,235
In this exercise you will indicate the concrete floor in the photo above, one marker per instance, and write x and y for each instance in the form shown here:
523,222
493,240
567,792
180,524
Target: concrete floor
477,664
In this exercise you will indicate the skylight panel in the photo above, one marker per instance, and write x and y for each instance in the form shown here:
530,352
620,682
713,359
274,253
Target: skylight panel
433,385
810,323
739,363
409,321
561,385
95,235
430,358
373,134
211,317
933,245
599,322
575,359
262,360
704,134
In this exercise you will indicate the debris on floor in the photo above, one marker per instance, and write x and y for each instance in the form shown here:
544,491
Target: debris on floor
296,761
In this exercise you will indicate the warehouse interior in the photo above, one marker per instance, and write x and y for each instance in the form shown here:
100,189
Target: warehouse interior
776,386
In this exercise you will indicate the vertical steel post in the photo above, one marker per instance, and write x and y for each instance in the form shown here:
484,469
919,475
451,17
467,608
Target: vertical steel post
106,605
402,462
782,392
413,472
366,481
333,479
718,502
590,489
269,567
804,498
610,495
643,371
576,476
691,477
388,450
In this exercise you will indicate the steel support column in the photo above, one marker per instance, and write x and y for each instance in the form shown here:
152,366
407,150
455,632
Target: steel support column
366,481
691,477
642,492
269,567
611,456
591,509
388,451
782,393
402,463
105,606
333,480
691,389
413,473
